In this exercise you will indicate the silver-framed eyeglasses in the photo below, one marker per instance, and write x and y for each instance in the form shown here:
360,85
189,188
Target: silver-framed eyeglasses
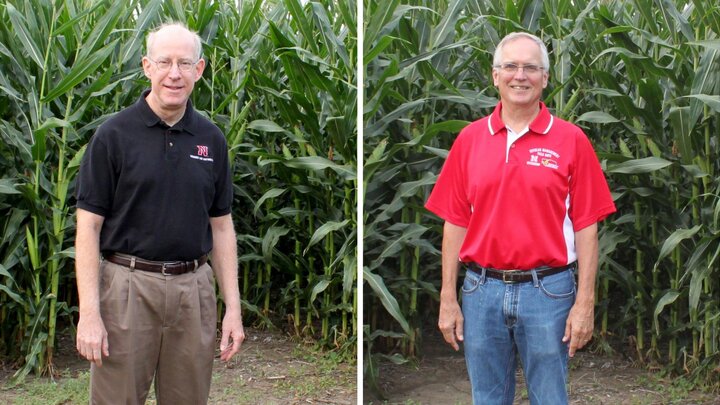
512,68
164,64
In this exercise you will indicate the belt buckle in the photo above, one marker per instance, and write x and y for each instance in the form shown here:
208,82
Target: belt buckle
505,280
164,266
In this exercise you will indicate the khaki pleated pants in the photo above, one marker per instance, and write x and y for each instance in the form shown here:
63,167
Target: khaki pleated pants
160,327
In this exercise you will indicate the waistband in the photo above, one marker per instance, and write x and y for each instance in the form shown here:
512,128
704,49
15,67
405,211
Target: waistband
165,268
518,276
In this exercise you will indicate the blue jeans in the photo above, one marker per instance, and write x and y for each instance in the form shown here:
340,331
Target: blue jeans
502,320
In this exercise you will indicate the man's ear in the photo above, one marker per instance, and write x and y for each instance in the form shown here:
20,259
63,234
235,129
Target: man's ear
199,68
146,65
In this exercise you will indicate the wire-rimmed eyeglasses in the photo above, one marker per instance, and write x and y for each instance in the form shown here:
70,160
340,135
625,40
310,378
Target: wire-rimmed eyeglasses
512,68
164,64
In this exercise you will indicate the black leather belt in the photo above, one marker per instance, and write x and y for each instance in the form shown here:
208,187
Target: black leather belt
165,268
518,276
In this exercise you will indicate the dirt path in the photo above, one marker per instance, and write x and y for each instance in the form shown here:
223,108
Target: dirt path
271,369
440,377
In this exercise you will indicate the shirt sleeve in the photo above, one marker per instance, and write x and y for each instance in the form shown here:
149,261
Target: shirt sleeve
449,199
222,203
95,186
590,198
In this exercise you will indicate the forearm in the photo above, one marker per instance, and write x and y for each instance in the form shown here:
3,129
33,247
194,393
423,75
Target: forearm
224,261
453,237
87,262
586,245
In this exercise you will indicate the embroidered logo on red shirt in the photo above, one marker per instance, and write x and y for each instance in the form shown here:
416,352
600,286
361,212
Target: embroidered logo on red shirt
543,157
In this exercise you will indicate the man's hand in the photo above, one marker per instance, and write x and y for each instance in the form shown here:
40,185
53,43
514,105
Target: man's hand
233,335
579,326
92,339
451,322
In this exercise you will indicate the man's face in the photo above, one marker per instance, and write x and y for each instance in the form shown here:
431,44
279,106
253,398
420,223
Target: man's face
171,85
520,88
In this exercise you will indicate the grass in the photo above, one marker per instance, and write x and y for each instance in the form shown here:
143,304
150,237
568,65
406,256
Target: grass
268,371
41,391
315,371
673,390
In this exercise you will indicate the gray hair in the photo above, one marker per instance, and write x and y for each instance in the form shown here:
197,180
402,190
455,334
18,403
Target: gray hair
517,35
197,41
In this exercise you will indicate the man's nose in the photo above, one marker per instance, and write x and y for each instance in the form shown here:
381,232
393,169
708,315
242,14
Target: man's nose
520,73
175,70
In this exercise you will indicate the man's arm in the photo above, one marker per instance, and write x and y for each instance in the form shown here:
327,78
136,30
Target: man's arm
224,263
92,342
451,319
581,320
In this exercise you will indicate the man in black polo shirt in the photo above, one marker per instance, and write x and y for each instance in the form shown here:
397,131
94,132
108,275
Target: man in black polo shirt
154,194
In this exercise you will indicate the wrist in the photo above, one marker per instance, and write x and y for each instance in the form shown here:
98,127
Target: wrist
232,310
448,295
585,300
89,313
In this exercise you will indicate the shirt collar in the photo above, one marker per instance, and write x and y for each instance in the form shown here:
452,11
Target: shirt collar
540,125
187,123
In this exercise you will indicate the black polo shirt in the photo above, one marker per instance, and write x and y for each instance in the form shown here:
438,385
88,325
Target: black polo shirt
156,186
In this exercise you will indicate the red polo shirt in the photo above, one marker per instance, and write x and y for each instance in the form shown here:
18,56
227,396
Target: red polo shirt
521,205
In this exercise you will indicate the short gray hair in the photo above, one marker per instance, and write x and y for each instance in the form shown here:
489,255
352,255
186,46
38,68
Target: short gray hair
197,41
517,35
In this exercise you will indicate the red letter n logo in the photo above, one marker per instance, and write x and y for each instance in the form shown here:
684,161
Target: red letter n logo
202,150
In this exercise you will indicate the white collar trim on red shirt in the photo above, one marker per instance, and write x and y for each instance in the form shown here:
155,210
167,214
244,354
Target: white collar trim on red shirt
544,115
552,118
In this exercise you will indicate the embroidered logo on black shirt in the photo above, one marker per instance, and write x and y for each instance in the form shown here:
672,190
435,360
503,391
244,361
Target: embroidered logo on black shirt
202,154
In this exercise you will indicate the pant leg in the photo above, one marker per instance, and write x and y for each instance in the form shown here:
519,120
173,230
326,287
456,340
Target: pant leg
488,346
188,339
130,305
542,312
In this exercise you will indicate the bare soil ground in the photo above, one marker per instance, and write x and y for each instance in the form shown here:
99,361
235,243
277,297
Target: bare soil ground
440,377
270,369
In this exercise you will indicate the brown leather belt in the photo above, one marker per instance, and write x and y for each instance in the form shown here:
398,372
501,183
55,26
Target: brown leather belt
518,276
165,268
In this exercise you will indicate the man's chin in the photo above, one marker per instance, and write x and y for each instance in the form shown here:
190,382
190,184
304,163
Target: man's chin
174,102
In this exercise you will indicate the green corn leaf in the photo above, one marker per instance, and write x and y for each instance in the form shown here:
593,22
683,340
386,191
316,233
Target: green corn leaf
698,278
711,101
667,299
149,14
20,28
639,166
270,194
101,31
323,231
265,126
296,11
80,72
674,240
270,240
597,117
318,163
383,43
7,186
321,286
388,300
443,32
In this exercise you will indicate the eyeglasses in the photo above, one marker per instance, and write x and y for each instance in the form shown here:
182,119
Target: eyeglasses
512,68
164,64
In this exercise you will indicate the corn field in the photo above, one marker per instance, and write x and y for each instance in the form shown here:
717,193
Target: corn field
642,78
280,83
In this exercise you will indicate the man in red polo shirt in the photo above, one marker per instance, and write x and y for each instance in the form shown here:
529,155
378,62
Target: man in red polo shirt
521,193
